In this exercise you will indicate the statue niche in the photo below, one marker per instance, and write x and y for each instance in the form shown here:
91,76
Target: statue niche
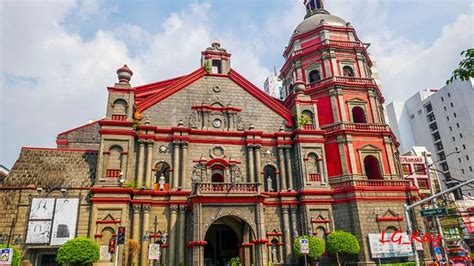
215,116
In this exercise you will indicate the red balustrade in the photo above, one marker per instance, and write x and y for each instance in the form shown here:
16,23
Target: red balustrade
220,188
119,117
113,173
308,126
315,177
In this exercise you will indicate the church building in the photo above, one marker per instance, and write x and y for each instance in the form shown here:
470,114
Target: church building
206,167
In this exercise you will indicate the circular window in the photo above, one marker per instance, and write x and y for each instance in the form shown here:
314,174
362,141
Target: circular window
216,88
217,123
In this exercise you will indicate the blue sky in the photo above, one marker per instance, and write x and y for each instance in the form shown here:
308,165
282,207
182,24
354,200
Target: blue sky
57,57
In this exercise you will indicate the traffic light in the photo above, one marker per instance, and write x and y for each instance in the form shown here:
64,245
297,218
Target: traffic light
112,245
121,235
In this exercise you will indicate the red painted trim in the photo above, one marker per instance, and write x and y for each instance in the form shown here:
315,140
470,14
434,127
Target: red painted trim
218,161
221,199
118,123
274,233
110,200
281,203
247,244
97,235
216,108
317,202
108,221
269,101
58,149
112,190
260,241
62,141
143,90
319,221
389,219
79,127
121,132
177,86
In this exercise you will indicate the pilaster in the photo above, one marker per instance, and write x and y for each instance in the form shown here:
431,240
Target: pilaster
141,162
172,235
281,165
175,174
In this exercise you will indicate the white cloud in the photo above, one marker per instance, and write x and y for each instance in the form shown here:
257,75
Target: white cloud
53,79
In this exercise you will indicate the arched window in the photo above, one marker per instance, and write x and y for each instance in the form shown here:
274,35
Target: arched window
120,110
275,251
114,162
358,115
314,76
217,173
321,233
270,178
307,118
162,175
107,233
348,71
391,229
372,167
313,167
216,66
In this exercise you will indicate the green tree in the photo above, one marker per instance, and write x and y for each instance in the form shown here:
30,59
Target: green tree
316,246
16,261
465,69
341,244
78,251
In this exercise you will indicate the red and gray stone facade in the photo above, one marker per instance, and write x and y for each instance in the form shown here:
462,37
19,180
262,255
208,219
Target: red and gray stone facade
210,150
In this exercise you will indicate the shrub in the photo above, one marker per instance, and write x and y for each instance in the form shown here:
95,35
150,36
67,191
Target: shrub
78,251
341,244
316,246
16,261
235,261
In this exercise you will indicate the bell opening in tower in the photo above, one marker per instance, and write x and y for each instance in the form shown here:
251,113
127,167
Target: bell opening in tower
216,66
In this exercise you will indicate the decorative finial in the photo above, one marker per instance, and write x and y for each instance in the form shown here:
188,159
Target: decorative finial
124,74
299,86
251,127
180,123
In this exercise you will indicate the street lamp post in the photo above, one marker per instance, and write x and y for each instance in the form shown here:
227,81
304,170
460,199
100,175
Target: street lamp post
407,209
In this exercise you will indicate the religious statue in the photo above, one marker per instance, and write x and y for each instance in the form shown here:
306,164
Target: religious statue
270,184
162,182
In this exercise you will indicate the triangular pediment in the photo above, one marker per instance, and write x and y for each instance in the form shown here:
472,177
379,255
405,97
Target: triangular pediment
369,147
179,84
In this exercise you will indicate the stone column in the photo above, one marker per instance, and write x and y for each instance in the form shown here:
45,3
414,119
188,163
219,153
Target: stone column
293,211
281,165
391,162
172,235
288,163
141,161
145,243
250,163
334,108
184,179
105,163
124,164
260,250
286,233
149,160
373,107
342,106
174,182
182,234
258,163
136,229
351,154
342,153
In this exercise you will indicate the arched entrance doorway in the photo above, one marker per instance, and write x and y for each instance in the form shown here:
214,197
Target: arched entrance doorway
224,241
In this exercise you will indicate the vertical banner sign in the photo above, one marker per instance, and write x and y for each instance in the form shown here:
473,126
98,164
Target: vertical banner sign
65,218
154,252
304,246
52,221
6,256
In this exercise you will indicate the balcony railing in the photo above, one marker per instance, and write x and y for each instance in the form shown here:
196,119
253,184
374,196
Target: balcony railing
308,127
119,117
357,127
315,177
372,183
113,173
226,188
339,79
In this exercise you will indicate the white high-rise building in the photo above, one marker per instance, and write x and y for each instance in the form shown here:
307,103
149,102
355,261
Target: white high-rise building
442,121
273,86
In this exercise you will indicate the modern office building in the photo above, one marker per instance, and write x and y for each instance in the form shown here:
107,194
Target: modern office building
442,121
273,86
